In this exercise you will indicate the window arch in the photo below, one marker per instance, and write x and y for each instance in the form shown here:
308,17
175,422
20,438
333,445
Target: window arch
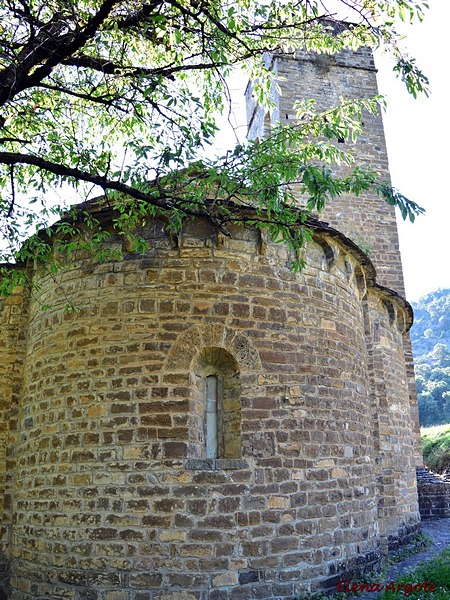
328,252
389,309
219,387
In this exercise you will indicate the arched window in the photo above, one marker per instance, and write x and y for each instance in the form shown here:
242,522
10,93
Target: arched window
219,403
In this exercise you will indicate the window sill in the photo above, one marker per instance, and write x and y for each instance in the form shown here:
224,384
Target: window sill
215,464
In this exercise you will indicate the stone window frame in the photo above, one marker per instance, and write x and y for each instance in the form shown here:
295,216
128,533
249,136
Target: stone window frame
215,464
219,363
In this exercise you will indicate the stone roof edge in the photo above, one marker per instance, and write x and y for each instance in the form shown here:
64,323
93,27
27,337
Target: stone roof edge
370,271
409,311
347,243
319,227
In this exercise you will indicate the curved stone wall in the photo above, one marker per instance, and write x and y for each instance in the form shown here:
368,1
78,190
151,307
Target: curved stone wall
114,496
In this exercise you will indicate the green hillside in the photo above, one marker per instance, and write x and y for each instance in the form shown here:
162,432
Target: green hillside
436,447
430,337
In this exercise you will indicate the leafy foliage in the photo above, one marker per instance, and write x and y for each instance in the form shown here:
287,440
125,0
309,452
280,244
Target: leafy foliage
430,337
436,447
122,99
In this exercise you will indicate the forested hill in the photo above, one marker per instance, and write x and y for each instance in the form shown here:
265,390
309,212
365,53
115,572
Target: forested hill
431,322
430,336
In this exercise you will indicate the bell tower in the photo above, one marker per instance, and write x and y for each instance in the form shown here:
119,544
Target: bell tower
367,220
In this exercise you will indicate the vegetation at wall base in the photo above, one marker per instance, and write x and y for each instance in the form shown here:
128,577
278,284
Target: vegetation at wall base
419,544
435,571
436,447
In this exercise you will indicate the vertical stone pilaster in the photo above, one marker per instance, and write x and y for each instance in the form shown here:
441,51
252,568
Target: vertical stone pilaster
12,347
412,389
392,424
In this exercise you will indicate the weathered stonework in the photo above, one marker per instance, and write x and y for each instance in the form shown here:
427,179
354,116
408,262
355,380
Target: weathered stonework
112,493
434,495
108,489
367,220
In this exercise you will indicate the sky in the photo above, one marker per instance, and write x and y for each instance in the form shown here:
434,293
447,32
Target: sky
417,134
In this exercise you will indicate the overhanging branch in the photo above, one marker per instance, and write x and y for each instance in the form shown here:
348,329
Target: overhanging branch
15,158
162,200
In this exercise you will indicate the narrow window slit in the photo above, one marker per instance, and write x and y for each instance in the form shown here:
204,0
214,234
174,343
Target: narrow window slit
211,417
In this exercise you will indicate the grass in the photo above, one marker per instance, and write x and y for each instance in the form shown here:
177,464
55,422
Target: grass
436,573
421,542
436,447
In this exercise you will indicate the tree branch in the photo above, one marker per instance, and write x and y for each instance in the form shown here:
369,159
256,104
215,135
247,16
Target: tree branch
139,17
164,201
15,80
14,158
110,68
4,140
13,193
89,97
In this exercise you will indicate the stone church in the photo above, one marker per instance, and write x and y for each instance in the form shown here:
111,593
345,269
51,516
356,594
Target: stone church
210,425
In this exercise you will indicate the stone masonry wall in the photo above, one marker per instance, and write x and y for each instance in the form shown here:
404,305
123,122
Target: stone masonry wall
12,314
393,423
327,79
367,220
113,496
434,495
